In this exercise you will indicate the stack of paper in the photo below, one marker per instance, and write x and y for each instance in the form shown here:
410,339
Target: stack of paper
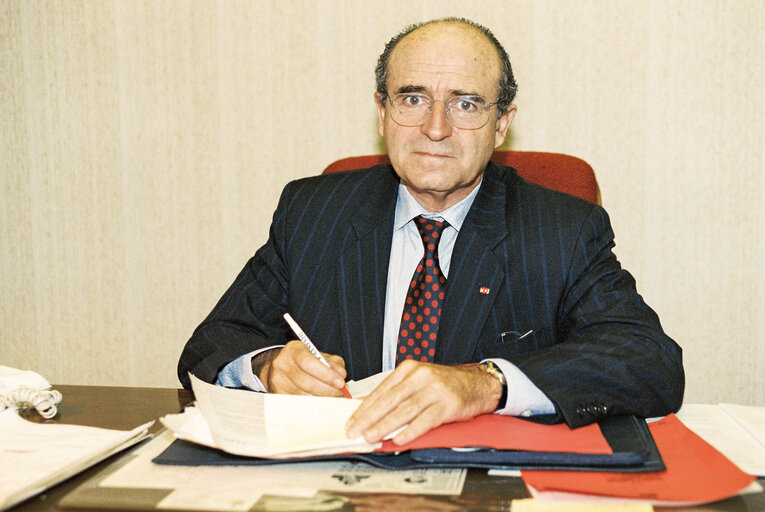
37,456
288,426
266,425
140,484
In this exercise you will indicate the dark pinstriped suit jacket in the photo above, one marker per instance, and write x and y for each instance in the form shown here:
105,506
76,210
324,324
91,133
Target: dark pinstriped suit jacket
596,348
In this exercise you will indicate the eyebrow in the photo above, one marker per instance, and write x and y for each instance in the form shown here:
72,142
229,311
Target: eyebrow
419,88
410,88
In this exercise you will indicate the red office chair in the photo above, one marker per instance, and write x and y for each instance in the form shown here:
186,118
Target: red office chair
552,170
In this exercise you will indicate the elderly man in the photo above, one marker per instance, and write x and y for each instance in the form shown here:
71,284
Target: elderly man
484,292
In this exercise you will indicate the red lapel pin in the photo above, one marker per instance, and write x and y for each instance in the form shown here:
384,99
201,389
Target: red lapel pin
484,290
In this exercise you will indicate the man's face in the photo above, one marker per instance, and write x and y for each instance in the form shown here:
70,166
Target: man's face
439,163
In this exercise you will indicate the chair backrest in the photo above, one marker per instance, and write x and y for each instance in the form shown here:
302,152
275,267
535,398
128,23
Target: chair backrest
552,170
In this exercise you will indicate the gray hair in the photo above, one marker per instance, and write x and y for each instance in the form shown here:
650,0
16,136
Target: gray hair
507,85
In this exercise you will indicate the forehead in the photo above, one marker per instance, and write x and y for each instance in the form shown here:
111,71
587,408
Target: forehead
445,58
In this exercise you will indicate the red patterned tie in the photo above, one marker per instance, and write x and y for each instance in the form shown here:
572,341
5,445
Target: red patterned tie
422,310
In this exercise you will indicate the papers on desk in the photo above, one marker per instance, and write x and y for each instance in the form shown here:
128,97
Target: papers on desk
37,456
222,484
738,431
142,485
274,426
267,425
362,388
696,473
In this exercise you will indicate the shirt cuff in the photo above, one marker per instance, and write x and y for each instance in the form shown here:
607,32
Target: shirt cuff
524,398
238,373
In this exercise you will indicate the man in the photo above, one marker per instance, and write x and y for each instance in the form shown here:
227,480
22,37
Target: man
518,278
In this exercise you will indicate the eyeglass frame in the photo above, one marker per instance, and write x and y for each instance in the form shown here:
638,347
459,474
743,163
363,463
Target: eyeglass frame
457,98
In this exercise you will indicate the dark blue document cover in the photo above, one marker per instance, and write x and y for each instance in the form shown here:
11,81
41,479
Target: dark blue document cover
633,451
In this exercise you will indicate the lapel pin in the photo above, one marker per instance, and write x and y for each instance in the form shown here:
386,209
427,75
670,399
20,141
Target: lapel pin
484,290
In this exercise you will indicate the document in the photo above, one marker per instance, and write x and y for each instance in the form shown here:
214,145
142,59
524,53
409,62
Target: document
287,479
141,484
362,388
278,426
738,431
266,424
37,456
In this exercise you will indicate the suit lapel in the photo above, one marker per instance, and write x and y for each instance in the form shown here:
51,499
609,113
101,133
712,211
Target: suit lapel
362,277
476,273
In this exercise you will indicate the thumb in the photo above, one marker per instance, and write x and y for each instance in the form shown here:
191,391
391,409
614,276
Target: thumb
337,364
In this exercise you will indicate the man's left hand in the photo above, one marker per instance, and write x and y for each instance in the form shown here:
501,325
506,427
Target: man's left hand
424,396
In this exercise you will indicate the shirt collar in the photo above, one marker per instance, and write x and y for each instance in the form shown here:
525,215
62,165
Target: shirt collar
408,208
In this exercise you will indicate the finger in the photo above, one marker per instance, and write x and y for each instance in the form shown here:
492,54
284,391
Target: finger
453,397
394,403
379,394
337,363
373,407
428,419
301,384
313,366
295,370
403,414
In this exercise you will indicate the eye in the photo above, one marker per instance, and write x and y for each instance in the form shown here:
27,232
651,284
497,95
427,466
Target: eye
412,100
467,104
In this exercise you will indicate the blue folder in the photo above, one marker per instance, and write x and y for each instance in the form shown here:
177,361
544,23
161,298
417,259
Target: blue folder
634,450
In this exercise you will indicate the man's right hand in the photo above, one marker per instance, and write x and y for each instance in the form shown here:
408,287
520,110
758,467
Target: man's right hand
294,370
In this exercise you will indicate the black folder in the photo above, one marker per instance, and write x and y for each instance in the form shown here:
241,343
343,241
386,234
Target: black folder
633,449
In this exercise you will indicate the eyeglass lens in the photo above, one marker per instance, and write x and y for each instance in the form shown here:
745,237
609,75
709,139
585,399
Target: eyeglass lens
466,112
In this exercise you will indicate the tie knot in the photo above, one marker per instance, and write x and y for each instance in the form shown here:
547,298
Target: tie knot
430,232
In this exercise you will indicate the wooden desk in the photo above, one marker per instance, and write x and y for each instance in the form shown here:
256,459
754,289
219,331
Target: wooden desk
124,408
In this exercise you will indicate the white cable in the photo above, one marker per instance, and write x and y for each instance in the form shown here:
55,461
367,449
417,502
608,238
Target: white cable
45,401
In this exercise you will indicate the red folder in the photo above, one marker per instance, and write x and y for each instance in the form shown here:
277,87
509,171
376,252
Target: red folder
695,472
508,433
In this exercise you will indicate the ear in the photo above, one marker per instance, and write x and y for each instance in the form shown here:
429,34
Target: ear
380,102
503,124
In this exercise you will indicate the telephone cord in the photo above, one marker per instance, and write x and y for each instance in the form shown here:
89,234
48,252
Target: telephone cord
45,401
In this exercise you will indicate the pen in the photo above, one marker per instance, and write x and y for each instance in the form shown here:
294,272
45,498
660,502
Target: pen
307,342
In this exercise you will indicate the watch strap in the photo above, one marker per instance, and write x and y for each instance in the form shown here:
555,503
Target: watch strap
493,370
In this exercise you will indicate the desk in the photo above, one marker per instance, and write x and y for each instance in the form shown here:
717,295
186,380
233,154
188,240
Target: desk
124,408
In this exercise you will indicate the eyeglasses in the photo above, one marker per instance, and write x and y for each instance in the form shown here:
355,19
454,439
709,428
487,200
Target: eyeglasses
464,112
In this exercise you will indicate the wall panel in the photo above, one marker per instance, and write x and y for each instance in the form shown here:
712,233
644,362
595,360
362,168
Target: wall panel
143,145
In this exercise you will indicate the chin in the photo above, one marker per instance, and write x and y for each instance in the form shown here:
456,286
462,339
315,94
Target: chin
428,177
431,168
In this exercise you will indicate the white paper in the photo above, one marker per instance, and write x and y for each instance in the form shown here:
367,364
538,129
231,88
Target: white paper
362,388
726,428
352,476
36,456
274,425
252,481
750,417
515,473
226,498
572,497
190,425
299,423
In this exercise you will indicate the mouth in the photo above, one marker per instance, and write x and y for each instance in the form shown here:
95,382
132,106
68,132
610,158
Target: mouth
428,154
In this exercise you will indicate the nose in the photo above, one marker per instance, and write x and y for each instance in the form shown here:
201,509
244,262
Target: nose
437,126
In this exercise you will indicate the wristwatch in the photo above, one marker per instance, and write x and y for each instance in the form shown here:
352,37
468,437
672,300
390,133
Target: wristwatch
493,370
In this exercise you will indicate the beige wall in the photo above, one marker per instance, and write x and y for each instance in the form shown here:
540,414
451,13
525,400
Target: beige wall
143,146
